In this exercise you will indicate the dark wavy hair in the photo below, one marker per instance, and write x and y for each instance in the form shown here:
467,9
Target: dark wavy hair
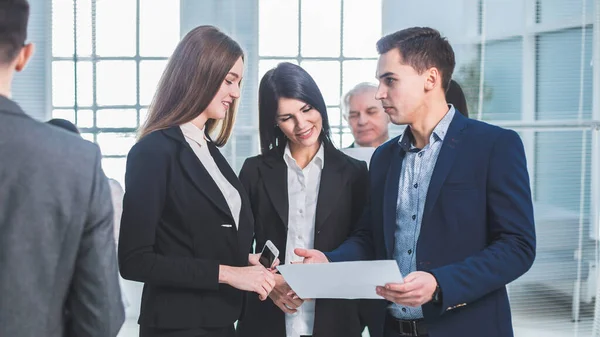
287,80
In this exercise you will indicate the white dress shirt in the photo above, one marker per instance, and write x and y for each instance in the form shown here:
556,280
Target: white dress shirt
303,191
195,137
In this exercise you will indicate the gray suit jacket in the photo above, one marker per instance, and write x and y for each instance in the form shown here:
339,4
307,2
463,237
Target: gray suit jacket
58,266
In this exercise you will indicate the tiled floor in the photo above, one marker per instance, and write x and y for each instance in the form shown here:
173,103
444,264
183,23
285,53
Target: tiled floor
549,316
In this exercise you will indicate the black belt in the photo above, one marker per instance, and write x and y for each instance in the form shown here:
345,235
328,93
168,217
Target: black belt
406,328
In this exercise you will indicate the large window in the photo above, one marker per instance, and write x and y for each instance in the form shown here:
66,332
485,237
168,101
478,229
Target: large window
333,40
107,58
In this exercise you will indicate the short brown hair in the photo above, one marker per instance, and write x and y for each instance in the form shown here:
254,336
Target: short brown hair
192,78
14,15
422,48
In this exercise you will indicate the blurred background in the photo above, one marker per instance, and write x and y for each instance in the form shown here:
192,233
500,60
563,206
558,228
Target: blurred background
529,65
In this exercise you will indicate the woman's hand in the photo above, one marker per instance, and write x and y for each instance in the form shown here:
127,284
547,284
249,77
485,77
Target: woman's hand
254,278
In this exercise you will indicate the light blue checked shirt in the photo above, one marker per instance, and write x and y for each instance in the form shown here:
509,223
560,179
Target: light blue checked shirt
417,168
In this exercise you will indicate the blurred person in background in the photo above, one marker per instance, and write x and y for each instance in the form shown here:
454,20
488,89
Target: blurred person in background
365,116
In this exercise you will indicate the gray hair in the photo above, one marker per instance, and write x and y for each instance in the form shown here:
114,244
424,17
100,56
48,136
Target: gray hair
358,89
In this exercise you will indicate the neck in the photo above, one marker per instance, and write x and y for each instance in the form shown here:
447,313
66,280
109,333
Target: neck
304,154
376,142
5,82
200,121
429,117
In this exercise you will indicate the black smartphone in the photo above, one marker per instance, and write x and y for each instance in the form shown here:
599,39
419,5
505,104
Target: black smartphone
269,254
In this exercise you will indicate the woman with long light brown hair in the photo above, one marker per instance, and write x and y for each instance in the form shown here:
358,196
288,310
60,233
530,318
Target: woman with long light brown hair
187,226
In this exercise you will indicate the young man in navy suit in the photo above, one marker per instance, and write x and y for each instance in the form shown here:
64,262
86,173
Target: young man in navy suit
449,201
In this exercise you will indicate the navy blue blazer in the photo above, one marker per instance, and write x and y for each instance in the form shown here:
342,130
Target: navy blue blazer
477,233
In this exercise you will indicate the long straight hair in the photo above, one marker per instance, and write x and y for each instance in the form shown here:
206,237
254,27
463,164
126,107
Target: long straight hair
287,80
192,78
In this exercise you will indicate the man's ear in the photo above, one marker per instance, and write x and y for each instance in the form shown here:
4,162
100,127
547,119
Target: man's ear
433,78
24,56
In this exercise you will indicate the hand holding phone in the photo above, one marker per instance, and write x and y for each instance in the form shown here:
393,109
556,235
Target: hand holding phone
269,255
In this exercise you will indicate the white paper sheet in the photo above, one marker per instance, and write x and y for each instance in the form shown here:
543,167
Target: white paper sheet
342,280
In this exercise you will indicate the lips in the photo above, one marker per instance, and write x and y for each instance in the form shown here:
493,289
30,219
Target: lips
226,104
305,134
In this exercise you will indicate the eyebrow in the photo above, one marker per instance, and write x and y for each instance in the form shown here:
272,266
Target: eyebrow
389,73
287,115
233,74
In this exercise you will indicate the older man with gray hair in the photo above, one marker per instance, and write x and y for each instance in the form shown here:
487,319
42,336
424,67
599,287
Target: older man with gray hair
365,115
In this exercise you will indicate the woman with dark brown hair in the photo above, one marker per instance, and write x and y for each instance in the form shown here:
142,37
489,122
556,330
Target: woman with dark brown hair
187,226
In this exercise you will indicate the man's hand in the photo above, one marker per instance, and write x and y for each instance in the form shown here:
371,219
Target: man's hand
284,297
311,255
417,289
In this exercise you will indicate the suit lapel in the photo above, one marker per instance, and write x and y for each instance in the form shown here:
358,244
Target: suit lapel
197,173
245,233
390,197
445,161
330,186
274,175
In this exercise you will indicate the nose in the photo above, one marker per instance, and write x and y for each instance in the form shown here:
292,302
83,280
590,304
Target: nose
362,119
235,92
300,121
381,93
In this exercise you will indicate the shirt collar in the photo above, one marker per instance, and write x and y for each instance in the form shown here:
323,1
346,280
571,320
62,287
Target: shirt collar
192,132
318,159
406,141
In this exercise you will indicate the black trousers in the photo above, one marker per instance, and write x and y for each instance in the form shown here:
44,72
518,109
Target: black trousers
198,332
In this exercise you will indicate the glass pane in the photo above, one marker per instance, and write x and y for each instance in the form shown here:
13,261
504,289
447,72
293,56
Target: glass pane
553,11
503,80
559,81
244,148
116,118
116,83
362,27
115,143
143,116
64,114
85,88
335,118
88,136
327,76
115,168
320,28
274,18
355,72
84,27
115,27
62,28
158,39
85,119
498,11
336,137
266,65
63,83
347,139
150,73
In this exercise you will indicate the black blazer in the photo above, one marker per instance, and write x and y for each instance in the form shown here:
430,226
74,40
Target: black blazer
342,196
172,235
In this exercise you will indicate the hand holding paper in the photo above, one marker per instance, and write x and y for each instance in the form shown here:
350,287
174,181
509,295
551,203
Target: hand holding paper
417,289
342,280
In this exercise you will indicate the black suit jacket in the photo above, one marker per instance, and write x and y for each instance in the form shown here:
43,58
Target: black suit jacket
342,196
172,234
